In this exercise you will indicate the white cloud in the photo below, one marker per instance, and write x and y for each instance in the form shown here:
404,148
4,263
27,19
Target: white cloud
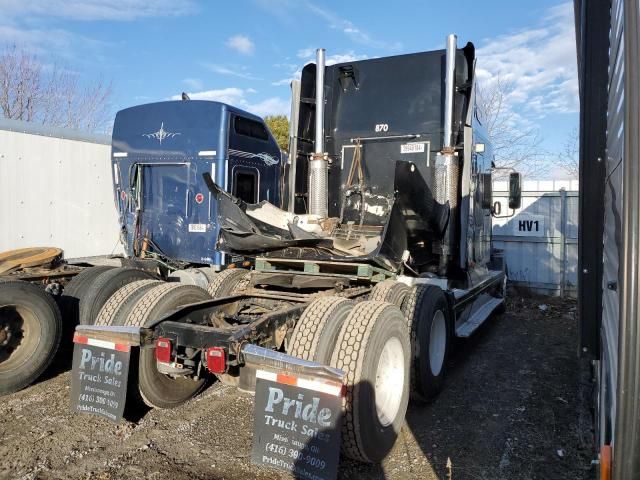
232,95
308,54
28,23
540,63
285,81
270,106
290,11
350,56
122,10
234,71
241,44
240,98
352,31
193,83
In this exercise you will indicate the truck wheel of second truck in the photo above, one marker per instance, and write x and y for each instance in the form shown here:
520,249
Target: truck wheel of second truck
229,282
104,286
30,331
156,389
75,291
374,351
427,314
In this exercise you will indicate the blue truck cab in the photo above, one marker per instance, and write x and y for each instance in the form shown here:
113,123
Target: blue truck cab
159,154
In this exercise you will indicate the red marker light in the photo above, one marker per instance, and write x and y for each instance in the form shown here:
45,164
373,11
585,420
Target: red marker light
216,360
199,198
163,350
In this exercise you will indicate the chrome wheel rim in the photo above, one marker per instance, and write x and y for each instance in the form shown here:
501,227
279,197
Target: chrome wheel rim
389,381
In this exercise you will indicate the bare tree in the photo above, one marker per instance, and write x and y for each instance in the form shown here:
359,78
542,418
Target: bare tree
50,95
515,145
568,158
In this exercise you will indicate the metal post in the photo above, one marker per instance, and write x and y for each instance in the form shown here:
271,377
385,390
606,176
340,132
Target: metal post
563,242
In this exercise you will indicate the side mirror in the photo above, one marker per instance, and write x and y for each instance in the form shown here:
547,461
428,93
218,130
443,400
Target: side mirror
515,190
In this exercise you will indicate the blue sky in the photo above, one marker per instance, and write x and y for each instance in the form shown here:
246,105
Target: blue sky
245,52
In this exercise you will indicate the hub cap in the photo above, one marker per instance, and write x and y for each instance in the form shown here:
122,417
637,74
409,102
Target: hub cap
437,342
389,381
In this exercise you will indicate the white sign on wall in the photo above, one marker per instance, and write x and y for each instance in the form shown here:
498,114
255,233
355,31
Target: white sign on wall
525,225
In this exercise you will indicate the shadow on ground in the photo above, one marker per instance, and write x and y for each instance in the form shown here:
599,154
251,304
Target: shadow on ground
515,405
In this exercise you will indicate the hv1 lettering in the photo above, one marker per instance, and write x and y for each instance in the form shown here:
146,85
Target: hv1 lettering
527,225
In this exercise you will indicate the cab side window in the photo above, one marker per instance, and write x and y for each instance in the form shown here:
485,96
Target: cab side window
250,128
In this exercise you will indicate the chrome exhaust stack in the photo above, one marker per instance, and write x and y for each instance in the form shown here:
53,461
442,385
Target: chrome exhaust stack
447,164
318,165
447,144
293,142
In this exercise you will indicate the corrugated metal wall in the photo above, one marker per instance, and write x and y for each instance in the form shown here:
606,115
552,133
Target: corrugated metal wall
56,191
544,261
612,225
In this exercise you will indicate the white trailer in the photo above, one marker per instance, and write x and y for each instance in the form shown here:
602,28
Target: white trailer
55,189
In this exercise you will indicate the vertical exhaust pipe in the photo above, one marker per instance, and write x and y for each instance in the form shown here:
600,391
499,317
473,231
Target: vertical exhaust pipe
318,173
447,163
293,143
447,144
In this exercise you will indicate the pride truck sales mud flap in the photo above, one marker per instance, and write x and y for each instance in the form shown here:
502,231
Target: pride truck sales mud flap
100,371
298,404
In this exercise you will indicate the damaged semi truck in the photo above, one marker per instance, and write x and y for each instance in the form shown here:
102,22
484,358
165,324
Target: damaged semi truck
380,257
168,228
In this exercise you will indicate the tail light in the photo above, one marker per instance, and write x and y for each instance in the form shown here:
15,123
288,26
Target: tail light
216,360
163,350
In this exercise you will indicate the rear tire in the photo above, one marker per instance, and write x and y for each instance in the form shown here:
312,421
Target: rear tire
314,336
30,332
123,301
103,287
75,291
389,291
229,282
427,313
374,351
156,389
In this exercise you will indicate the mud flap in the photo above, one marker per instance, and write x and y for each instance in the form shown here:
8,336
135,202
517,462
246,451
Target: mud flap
298,413
100,369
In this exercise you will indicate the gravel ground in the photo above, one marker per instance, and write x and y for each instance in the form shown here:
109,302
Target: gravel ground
515,406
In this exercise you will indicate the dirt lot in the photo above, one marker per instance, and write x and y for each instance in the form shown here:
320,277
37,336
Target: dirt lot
515,406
